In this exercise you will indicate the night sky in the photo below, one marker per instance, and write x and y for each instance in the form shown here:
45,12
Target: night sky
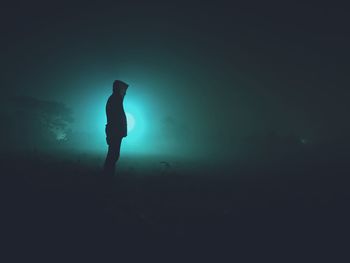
205,77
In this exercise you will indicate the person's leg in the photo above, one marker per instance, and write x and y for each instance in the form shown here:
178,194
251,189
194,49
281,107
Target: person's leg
112,156
109,165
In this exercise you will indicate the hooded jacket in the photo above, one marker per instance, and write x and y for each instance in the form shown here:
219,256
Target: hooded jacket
116,119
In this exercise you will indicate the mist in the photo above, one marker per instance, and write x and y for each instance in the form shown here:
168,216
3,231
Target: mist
199,88
238,140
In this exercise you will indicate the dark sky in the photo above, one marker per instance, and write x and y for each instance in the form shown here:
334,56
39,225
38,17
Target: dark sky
203,75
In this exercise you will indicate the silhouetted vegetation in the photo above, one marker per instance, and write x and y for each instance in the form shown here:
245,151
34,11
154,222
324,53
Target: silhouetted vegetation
31,123
295,200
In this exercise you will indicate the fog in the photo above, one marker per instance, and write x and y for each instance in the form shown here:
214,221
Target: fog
202,89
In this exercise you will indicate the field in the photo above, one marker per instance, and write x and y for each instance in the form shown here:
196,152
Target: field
287,207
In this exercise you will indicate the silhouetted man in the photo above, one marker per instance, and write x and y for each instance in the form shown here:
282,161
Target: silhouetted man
116,128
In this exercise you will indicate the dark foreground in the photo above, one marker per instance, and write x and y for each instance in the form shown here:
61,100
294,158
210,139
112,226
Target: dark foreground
290,211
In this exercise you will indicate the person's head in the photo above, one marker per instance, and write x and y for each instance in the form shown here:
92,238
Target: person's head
120,87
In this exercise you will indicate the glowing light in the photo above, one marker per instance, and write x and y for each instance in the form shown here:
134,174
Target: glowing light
136,111
59,134
304,141
131,121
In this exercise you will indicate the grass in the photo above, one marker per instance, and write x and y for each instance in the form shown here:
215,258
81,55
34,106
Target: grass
287,202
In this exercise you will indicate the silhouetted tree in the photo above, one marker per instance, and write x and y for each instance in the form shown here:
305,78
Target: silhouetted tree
36,123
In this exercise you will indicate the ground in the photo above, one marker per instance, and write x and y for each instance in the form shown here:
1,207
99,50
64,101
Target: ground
295,209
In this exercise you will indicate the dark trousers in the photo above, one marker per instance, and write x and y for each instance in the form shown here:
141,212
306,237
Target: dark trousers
112,156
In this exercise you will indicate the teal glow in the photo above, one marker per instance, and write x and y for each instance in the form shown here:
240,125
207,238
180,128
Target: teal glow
148,133
136,139
90,122
130,121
